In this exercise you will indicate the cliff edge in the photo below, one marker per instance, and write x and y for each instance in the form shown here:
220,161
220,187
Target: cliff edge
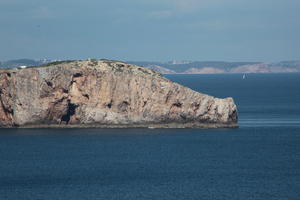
103,93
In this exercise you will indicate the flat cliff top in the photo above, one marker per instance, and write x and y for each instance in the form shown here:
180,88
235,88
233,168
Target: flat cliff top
105,65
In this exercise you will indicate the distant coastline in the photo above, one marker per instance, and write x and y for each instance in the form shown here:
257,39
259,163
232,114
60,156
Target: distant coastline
189,67
218,67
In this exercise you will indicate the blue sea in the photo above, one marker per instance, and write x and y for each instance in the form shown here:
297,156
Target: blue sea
258,160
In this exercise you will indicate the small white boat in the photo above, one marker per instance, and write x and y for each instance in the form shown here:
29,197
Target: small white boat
244,76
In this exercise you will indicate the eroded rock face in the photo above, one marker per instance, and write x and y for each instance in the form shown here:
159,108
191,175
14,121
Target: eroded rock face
105,94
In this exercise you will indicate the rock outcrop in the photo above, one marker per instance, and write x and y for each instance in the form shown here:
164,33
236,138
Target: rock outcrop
103,93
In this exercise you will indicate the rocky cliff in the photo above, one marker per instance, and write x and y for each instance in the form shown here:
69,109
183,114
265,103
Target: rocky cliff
102,93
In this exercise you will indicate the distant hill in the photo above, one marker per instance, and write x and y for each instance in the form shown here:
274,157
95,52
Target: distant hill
22,62
216,67
190,67
183,67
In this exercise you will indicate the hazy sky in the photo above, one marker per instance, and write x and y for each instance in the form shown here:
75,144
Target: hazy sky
151,30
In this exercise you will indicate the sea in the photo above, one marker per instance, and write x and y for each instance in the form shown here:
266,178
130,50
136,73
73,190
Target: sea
260,160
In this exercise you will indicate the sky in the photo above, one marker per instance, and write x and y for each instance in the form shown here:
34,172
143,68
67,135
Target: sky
151,30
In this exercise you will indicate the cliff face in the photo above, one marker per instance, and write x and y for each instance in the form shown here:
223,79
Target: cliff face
105,94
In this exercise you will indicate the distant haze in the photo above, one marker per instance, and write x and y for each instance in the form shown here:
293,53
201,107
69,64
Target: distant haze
187,67
229,30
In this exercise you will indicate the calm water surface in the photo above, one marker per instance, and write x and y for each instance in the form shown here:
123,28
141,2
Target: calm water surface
259,160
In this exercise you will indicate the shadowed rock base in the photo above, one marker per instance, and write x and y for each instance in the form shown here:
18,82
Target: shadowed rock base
151,126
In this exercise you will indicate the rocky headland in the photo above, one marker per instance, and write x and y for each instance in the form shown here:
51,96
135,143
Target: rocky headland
104,93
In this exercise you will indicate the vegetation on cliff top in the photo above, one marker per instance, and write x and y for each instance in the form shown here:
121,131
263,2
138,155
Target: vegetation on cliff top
117,66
